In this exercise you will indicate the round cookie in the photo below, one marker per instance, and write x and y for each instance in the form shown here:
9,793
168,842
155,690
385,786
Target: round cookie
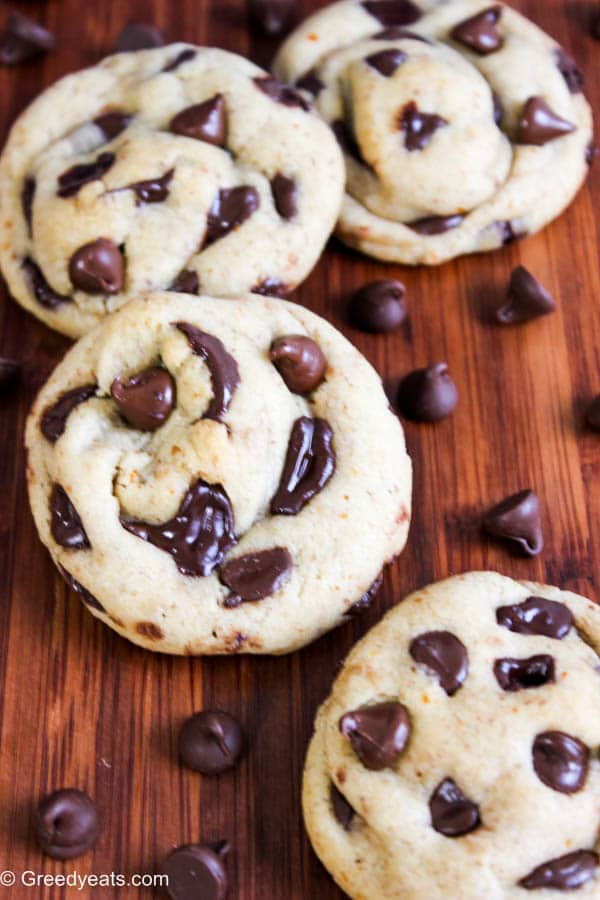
181,168
463,125
457,754
217,476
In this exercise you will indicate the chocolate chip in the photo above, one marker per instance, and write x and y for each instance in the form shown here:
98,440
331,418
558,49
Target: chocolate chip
97,267
367,598
205,121
479,32
444,656
256,575
452,814
521,674
280,93
66,824
378,734
300,362
418,127
432,225
71,181
591,152
197,872
111,124
210,742
498,111
346,140
539,124
341,808
526,299
427,395
138,36
508,234
22,40
181,58
66,526
27,196
223,368
396,33
155,190
54,419
150,631
187,282
569,70
146,399
81,591
565,873
231,208
9,369
537,615
386,61
393,12
311,83
379,306
592,416
309,464
285,195
270,16
199,535
517,519
272,287
43,293
561,761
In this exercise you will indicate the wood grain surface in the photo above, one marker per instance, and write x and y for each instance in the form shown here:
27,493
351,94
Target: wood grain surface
80,706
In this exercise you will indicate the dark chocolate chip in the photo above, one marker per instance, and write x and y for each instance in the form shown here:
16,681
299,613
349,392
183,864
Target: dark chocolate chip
210,742
432,225
66,824
97,267
22,40
285,195
272,287
522,674
138,36
517,519
378,734
9,370
256,575
479,32
498,110
311,83
309,464
367,598
565,873
386,61
592,416
427,395
280,93
71,181
270,16
341,808
187,282
180,60
111,124
526,299
379,306
508,234
561,761
569,70
199,535
231,208
537,615
444,656
54,419
452,814
43,293
346,140
27,196
393,12
197,872
154,190
418,127
146,399
300,362
395,33
150,631
66,526
85,595
223,368
205,121
539,124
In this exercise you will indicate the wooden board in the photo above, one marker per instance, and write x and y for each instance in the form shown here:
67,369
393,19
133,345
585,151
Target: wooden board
79,706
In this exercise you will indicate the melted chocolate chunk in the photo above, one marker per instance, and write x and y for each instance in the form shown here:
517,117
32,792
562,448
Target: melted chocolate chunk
146,400
517,519
539,124
231,208
199,535
561,761
82,592
393,12
569,70
223,368
536,615
197,872
311,83
309,464
256,575
111,124
418,127
43,293
508,235
271,16
452,814
433,225
386,61
180,60
443,656
9,369
341,808
521,674
211,742
285,195
378,734
27,196
187,282
280,93
427,395
54,420
367,598
300,362
22,40
479,32
155,190
66,824
71,181
396,33
205,121
97,267
526,299
565,873
379,306
66,526
272,287
138,36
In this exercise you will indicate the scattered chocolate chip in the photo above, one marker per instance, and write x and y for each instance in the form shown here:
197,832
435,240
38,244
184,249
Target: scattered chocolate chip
561,761
379,306
43,293
452,814
22,40
300,362
347,141
280,93
367,598
427,395
205,121
341,808
27,196
309,464
9,369
386,61
592,416
526,299
199,535
539,124
180,60
231,208
393,12
272,287
498,110
223,368
565,873
311,83
285,195
97,267
418,127
154,190
85,595
432,225
508,234
145,400
150,631
197,872
270,16
66,526
54,419
66,824
479,32
569,70
256,575
444,656
111,124
210,742
71,181
378,734
537,615
521,674
395,33
517,519
138,36
187,282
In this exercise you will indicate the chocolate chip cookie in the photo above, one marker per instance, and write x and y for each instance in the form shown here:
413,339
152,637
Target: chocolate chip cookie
463,125
217,476
457,754
181,168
